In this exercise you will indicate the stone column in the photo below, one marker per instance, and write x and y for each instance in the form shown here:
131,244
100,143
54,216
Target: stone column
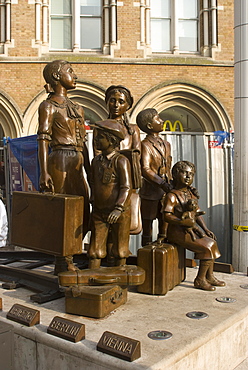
45,22
174,20
76,20
106,27
37,21
205,28
8,23
240,238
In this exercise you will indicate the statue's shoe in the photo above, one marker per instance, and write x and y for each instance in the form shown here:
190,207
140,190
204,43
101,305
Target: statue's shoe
215,282
203,284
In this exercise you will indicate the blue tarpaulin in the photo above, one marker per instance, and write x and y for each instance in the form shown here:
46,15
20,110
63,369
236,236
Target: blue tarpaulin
221,136
25,149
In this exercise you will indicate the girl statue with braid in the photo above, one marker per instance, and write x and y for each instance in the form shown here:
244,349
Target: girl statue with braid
174,204
62,129
119,100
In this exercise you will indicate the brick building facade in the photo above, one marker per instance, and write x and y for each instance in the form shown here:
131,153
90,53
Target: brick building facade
139,44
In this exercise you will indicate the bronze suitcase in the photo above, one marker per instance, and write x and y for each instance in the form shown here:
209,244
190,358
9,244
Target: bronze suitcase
94,301
122,275
164,267
49,223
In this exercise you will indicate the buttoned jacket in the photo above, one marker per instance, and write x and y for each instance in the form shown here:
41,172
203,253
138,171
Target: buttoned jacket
154,157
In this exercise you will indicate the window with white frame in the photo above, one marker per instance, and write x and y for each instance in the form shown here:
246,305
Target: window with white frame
90,24
174,25
61,24
76,24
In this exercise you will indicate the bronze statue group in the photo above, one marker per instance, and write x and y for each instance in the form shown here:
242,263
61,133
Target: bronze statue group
165,193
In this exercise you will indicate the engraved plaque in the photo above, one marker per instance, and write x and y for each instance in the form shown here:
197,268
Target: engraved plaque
66,329
24,315
119,346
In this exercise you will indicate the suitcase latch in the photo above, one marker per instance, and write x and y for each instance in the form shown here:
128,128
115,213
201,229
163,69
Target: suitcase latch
116,297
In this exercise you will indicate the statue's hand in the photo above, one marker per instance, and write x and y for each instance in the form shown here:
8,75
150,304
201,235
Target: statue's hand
166,187
160,240
113,216
46,184
210,234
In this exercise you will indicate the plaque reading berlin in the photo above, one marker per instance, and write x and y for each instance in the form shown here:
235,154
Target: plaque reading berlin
119,346
66,329
24,315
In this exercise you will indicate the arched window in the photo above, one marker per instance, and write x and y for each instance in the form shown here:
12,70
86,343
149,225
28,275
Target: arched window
195,108
180,119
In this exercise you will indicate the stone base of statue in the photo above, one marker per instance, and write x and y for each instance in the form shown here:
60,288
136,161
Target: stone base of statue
218,341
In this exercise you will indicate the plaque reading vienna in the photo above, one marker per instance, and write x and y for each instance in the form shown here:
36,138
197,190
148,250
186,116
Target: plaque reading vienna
66,329
24,315
119,346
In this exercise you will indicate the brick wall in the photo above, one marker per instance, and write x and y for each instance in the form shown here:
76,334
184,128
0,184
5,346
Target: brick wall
21,71
225,30
23,81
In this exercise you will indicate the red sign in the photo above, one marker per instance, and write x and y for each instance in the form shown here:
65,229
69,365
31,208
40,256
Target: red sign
214,144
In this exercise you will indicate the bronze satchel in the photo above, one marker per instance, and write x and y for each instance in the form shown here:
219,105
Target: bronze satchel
133,155
136,221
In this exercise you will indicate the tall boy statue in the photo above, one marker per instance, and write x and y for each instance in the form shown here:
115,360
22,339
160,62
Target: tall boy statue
156,172
111,186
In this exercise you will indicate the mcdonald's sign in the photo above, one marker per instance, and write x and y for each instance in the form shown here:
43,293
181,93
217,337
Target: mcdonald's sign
173,127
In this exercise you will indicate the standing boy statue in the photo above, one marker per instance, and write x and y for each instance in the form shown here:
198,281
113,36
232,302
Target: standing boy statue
156,172
62,129
111,186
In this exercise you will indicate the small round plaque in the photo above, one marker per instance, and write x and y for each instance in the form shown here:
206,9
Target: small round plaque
159,335
244,286
226,299
197,315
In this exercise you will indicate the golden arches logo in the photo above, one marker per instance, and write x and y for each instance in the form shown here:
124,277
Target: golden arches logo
173,127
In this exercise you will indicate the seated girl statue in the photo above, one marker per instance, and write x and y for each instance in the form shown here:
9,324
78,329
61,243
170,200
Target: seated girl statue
174,204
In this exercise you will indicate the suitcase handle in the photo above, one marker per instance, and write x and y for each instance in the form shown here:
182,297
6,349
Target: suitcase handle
104,280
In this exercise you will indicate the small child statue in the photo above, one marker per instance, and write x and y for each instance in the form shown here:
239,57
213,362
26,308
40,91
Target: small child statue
156,172
111,186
